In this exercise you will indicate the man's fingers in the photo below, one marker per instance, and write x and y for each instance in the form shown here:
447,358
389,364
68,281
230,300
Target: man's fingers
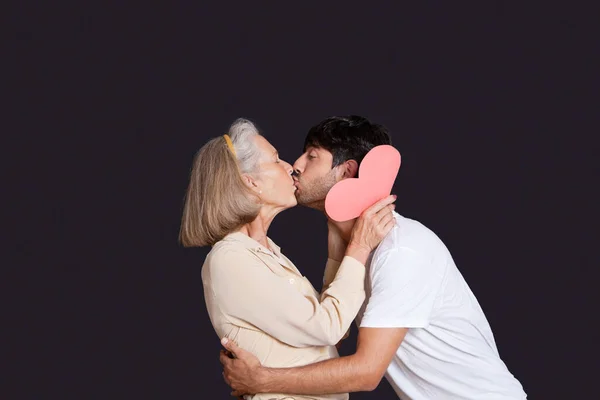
237,351
227,353
224,358
226,380
230,345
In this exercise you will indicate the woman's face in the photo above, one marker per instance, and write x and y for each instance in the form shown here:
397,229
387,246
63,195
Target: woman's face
274,177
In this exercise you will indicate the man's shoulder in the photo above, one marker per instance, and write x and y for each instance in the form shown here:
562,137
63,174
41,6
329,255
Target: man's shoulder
409,234
409,239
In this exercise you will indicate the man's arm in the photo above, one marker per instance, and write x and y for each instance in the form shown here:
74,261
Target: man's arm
361,371
404,286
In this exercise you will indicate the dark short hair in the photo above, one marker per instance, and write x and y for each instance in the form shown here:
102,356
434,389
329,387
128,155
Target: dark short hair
347,138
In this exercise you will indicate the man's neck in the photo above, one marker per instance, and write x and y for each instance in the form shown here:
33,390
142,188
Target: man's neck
345,228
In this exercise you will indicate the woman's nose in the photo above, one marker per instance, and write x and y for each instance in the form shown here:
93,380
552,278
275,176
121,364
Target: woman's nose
288,167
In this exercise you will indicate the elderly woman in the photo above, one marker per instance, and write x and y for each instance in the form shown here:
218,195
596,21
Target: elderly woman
254,294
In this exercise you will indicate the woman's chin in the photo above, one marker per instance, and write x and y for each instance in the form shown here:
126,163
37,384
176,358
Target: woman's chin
293,203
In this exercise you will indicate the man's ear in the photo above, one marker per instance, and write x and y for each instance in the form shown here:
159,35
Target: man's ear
350,169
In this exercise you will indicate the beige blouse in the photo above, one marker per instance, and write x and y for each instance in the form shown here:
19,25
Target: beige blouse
259,299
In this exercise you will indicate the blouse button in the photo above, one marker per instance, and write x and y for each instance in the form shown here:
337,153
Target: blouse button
292,280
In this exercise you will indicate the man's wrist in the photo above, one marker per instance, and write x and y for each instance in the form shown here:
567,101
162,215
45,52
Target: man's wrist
261,380
264,380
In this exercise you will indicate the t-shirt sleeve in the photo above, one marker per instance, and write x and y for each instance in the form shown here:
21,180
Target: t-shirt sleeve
404,287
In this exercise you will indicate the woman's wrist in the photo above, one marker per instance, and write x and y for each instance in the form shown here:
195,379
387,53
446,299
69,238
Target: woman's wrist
359,252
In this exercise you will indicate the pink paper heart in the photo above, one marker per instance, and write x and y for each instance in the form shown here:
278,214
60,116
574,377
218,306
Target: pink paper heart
348,198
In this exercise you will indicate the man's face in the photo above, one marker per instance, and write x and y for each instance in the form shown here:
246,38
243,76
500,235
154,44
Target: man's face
314,177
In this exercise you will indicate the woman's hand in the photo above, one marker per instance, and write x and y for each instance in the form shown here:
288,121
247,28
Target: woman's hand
370,228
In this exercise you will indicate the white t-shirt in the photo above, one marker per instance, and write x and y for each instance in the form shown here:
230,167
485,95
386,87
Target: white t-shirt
449,352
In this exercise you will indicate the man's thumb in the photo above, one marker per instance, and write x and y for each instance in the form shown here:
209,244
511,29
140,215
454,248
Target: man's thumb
229,344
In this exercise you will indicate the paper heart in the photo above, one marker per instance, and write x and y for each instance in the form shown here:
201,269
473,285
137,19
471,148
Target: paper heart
348,198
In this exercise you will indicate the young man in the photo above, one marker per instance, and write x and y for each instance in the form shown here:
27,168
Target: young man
420,325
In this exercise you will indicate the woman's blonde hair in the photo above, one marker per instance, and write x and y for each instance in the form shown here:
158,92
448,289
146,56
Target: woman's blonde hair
218,201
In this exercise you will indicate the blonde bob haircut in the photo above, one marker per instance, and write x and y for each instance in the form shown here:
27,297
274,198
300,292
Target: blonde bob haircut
217,201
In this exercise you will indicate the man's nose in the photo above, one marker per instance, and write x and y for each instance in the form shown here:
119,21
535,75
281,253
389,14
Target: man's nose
298,166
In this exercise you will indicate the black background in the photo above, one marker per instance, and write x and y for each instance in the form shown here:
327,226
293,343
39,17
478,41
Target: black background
487,104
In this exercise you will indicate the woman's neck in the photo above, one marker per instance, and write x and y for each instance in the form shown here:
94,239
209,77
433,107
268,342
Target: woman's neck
258,228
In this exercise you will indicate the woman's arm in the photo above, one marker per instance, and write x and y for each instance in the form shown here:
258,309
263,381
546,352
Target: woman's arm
246,290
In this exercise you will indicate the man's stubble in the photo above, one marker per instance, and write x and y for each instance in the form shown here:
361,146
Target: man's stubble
313,194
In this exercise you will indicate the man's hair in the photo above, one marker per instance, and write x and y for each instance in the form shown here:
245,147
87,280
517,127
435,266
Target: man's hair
347,138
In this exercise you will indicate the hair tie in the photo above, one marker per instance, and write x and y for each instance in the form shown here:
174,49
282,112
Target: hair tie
230,144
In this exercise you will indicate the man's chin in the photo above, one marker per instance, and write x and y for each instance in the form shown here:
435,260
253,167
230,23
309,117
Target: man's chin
318,205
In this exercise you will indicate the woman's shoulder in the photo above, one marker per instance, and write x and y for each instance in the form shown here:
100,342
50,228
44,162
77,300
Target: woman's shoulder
226,250
226,257
220,261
